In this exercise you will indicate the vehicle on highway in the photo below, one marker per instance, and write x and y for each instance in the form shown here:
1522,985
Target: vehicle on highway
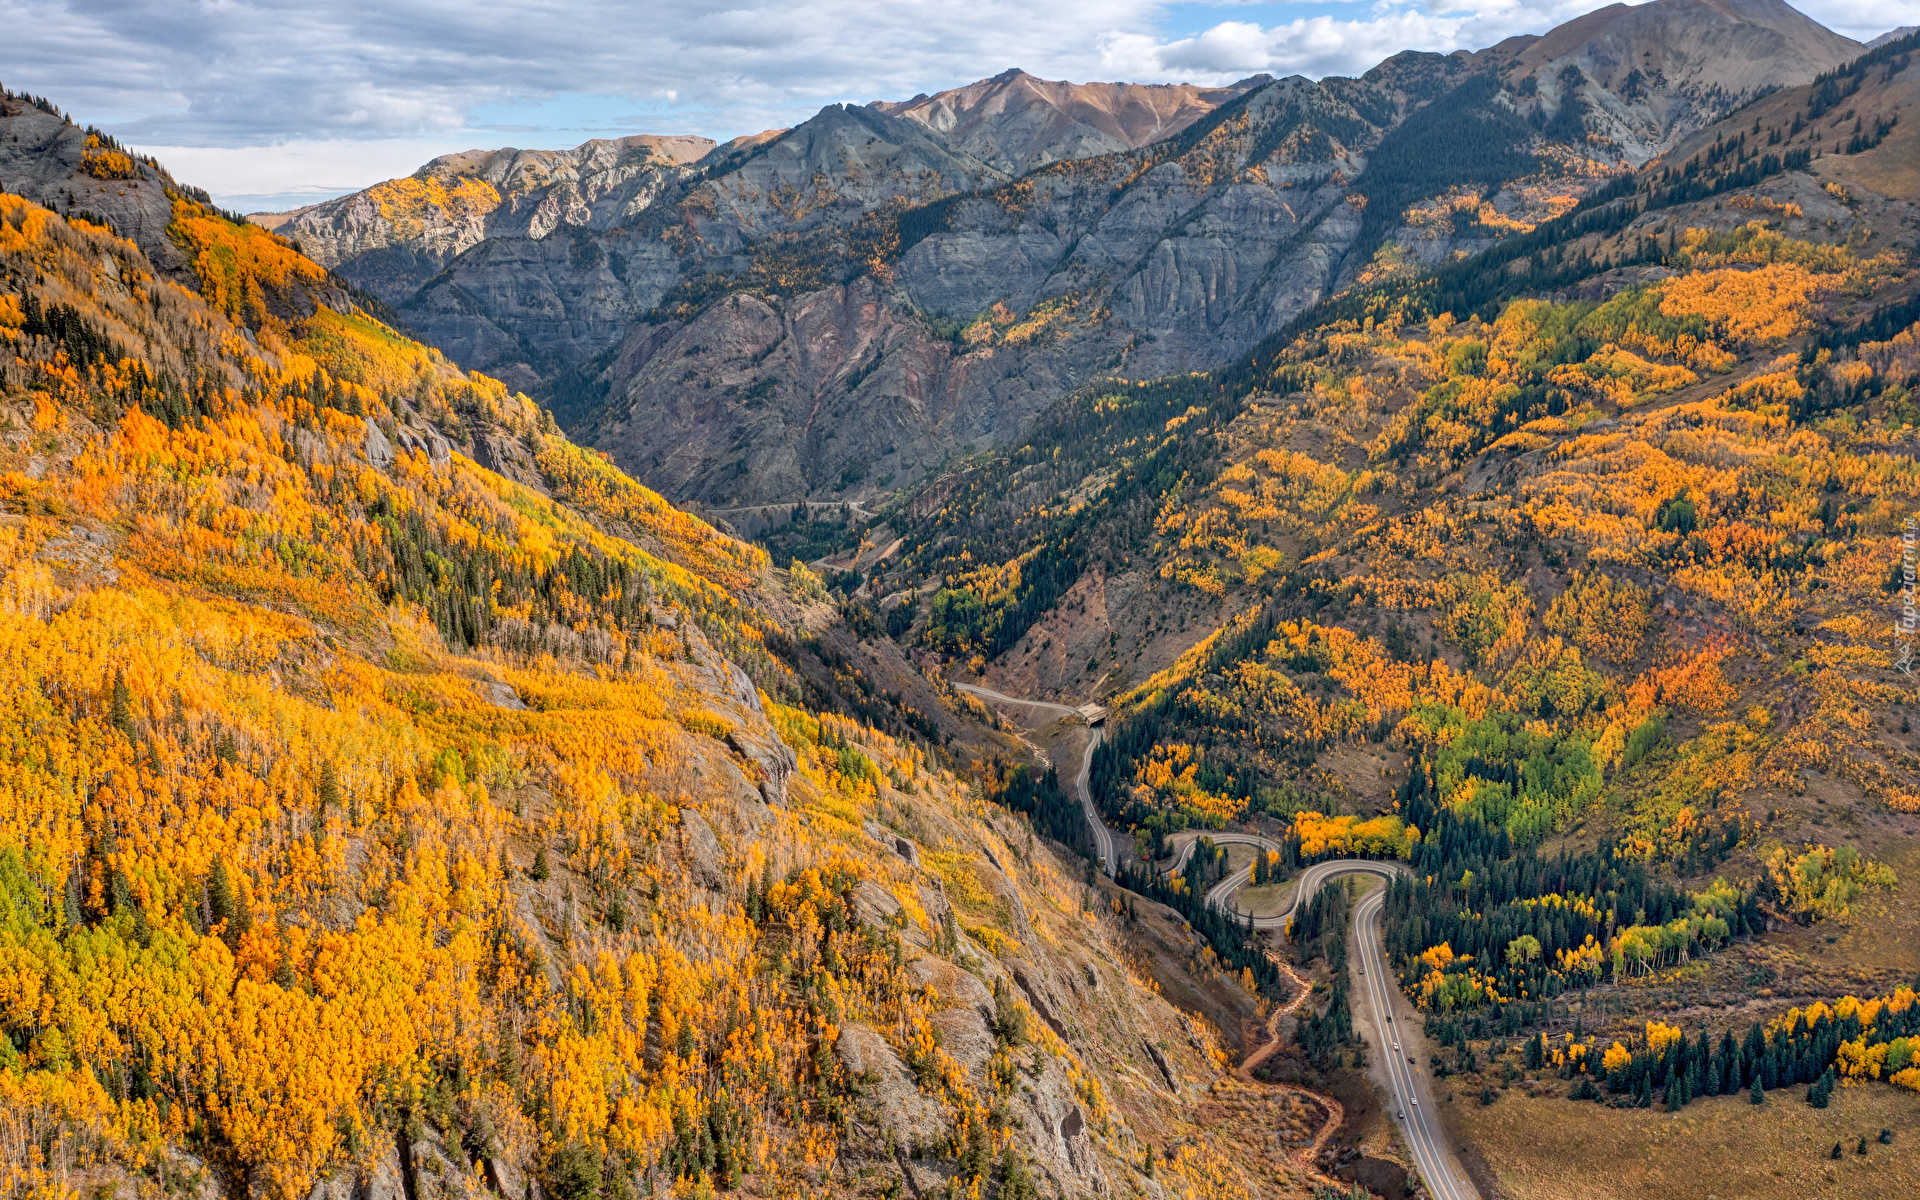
1396,1045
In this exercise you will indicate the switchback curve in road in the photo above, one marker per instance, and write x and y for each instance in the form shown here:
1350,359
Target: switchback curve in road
1419,1124
1220,895
1406,1087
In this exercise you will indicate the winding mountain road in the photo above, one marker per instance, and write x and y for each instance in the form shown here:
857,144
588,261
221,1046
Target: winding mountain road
1418,1121
1104,840
1409,1098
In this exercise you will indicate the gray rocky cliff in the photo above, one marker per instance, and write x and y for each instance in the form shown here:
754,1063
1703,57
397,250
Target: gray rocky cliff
834,310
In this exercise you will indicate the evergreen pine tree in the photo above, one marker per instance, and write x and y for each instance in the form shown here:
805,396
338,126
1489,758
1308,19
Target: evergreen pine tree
241,923
1755,1095
1016,1183
329,786
121,712
220,892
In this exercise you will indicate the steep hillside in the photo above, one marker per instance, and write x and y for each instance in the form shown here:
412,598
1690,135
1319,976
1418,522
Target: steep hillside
835,310
1212,493
83,172
401,233
1644,74
398,800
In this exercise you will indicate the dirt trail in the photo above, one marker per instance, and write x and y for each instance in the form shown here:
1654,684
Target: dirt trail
1336,1114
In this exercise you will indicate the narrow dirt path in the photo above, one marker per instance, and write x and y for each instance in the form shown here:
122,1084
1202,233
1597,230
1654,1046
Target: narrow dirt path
1336,1113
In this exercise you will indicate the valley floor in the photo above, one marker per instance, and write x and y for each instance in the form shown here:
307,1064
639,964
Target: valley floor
1724,1148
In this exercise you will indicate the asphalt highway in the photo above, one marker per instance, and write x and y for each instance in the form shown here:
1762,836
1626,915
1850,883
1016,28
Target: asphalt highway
1408,1097
1104,839
1412,1102
1409,1100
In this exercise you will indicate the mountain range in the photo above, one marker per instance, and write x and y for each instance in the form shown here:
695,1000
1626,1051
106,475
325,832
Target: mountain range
832,311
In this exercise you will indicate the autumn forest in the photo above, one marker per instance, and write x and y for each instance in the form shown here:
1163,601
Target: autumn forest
401,798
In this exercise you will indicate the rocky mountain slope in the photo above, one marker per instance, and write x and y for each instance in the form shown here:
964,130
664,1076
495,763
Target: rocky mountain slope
834,310
1567,569
1582,537
402,232
1647,73
402,800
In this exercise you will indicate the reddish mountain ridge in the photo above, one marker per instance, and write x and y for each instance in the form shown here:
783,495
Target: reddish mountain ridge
1016,121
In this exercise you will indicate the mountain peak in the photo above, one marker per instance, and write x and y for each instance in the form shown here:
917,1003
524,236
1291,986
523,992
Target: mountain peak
1736,45
1636,76
1015,121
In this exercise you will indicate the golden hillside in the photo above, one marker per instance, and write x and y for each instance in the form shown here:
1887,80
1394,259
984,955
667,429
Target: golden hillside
376,817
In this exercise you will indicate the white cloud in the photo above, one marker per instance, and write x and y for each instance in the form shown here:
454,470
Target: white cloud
301,170
285,96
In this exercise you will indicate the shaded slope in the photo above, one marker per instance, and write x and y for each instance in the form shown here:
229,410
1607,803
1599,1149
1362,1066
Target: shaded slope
891,285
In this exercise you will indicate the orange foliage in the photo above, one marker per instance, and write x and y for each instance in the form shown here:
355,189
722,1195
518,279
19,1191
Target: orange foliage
289,845
244,271
1762,307
1321,835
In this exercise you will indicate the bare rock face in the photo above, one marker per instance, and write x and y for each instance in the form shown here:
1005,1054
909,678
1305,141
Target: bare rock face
888,1087
80,172
45,159
761,399
705,860
394,236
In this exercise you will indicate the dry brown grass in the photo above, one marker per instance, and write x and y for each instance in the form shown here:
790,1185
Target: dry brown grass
1893,167
1718,1149
1265,901
1879,942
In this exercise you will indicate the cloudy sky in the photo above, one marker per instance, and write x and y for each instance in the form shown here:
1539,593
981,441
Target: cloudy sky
271,103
